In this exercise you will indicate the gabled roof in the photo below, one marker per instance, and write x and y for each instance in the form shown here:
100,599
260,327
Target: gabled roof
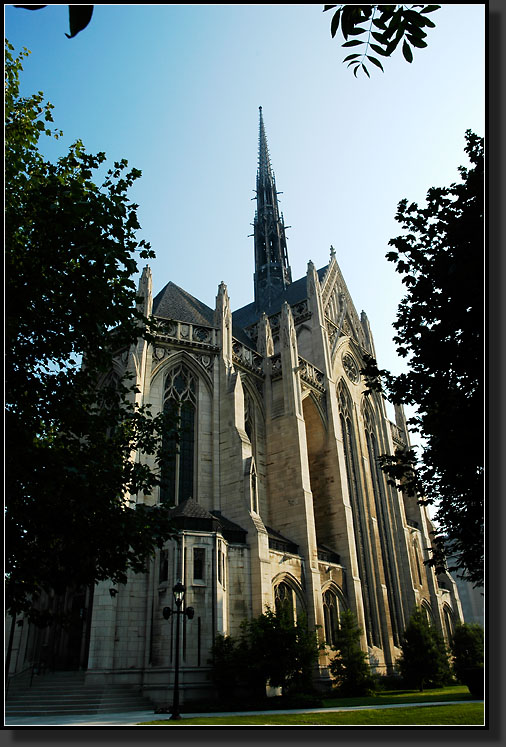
175,303
292,294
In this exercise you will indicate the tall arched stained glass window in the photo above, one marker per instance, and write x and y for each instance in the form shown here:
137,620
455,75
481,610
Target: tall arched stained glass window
357,507
380,501
332,608
284,601
178,445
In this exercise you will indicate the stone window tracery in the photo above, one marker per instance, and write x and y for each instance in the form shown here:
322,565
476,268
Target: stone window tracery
351,368
332,609
357,507
380,501
284,601
178,443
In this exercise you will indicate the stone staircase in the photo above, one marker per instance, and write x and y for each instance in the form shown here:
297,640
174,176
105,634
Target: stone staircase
65,693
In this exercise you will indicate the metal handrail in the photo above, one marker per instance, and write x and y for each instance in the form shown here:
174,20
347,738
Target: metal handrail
10,677
37,665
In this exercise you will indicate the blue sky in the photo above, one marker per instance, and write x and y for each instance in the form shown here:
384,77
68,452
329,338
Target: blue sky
175,89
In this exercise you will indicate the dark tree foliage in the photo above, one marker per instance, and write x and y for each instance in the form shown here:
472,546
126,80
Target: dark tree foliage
79,16
440,331
350,667
467,650
271,648
424,659
70,297
386,26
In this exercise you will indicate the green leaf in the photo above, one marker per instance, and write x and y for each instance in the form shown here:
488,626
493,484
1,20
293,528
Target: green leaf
414,17
378,50
376,62
351,57
393,44
394,24
366,71
417,42
352,43
79,18
430,8
379,37
356,32
416,31
379,24
335,22
406,51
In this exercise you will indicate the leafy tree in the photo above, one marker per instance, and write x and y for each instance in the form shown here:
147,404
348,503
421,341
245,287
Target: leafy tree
386,26
70,256
440,331
467,650
79,16
424,659
349,666
271,649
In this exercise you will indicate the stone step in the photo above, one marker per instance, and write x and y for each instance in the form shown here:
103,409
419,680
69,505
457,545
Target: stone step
64,699
75,711
66,693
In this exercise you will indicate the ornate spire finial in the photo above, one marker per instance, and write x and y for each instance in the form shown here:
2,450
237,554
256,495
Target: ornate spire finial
272,271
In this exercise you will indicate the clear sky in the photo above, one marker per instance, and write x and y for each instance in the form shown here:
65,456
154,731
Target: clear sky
175,89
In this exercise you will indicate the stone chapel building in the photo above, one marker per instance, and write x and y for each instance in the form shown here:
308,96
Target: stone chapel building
275,487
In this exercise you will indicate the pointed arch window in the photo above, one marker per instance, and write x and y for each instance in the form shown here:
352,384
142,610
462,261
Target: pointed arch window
249,418
284,601
357,507
416,549
380,501
332,609
178,443
449,626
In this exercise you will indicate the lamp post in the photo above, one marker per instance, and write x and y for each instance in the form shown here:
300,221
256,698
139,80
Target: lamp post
178,592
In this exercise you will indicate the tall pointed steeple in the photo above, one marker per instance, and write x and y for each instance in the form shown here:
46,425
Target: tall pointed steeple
272,271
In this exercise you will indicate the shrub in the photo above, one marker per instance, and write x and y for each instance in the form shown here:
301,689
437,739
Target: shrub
424,660
467,649
384,682
270,649
350,667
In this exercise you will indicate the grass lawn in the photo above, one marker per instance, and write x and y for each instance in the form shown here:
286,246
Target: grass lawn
440,694
464,714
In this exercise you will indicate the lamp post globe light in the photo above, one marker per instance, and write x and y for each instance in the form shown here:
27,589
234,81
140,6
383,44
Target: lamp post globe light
178,591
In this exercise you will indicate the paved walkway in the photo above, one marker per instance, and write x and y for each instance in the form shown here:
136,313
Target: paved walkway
133,717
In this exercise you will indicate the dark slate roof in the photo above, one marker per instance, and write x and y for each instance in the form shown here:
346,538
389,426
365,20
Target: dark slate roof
189,509
328,555
231,531
175,303
292,294
191,515
278,542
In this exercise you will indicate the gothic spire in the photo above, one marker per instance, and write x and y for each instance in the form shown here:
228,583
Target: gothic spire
272,271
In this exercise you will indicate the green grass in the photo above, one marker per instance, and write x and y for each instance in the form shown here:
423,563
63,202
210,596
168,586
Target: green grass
465,714
388,697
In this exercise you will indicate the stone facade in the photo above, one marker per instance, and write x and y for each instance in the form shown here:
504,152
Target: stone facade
286,494
282,495
275,488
